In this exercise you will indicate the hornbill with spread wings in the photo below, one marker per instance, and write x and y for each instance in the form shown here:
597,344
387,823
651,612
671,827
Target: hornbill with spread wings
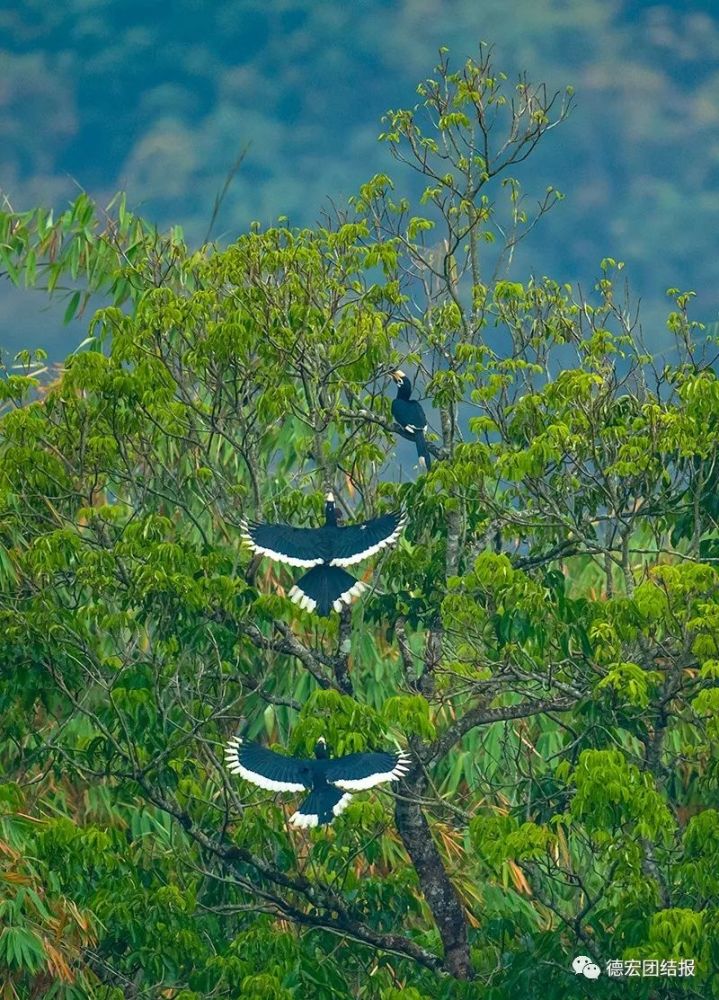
330,782
324,551
410,416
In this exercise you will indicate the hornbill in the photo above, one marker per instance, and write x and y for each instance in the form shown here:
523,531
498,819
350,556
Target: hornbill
325,550
329,782
410,416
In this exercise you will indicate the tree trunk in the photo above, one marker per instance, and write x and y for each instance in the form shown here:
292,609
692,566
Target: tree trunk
440,894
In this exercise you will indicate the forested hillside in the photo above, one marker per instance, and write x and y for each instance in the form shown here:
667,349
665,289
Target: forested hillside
531,670
159,101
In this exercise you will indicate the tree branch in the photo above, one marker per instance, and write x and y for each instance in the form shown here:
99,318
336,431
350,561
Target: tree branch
482,716
319,897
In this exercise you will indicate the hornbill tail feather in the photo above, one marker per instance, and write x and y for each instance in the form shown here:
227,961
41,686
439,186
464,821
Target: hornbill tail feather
320,807
326,588
422,449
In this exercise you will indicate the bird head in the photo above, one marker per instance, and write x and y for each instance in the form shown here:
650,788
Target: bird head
403,383
321,750
332,515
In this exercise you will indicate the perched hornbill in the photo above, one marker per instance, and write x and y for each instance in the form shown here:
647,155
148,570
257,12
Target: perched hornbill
329,782
410,416
326,550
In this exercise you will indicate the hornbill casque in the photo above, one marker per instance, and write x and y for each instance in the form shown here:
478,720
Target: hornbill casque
330,782
410,416
324,551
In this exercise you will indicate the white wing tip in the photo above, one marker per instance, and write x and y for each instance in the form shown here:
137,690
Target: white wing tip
232,746
402,766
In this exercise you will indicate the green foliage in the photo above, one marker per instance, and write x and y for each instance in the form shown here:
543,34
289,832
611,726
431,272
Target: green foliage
612,794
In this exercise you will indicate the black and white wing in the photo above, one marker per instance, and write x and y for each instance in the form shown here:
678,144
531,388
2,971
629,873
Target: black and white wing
283,543
358,771
266,768
360,541
409,414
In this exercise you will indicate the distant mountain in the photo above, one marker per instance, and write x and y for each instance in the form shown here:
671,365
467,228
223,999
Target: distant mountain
159,101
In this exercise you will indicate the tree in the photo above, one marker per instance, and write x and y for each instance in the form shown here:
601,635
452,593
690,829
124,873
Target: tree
543,639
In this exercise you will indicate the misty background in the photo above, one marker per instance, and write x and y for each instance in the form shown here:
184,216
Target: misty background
159,100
